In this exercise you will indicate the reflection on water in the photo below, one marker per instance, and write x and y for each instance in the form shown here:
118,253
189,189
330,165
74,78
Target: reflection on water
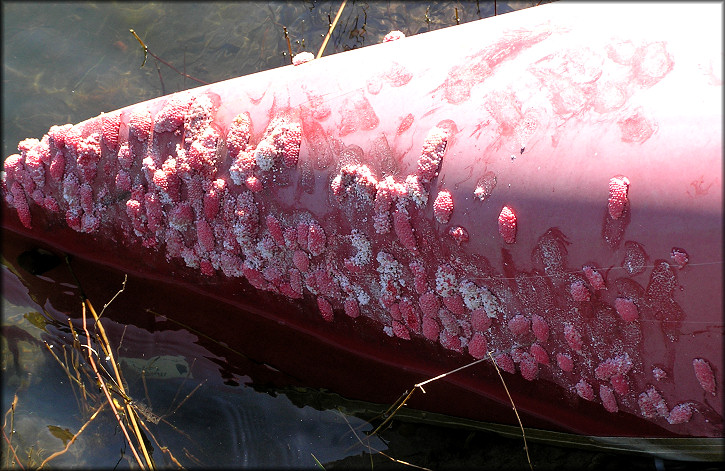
175,384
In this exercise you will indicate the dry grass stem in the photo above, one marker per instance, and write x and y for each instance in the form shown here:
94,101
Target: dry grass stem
523,433
392,410
11,413
329,31
70,442
102,384
123,287
371,449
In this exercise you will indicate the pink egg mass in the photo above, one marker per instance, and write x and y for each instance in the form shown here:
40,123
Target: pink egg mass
507,225
370,202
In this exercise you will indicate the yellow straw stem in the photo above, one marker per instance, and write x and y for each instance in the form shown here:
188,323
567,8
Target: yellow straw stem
332,27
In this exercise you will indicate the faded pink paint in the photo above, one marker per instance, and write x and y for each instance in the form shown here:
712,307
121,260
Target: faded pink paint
405,123
635,258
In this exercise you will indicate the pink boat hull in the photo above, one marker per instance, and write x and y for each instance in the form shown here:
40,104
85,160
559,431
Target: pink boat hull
536,185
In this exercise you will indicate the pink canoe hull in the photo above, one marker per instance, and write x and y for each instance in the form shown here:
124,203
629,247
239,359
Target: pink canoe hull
538,185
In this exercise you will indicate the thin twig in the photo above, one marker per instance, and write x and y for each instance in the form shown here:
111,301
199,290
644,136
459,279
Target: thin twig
403,462
17,460
68,373
105,390
289,45
165,449
390,417
123,287
120,342
75,358
145,48
11,413
186,398
147,52
317,461
130,413
419,386
161,79
526,447
62,365
70,442
178,390
349,425
371,449
332,27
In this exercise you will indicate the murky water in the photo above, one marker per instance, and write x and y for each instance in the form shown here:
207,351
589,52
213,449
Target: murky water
175,384
64,63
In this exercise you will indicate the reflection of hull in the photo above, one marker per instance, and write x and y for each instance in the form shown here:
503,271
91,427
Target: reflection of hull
361,207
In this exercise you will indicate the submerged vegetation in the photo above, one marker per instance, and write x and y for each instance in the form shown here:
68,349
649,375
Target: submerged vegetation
96,380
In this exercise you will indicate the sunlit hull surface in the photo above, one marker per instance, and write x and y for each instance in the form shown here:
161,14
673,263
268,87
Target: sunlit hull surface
542,186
